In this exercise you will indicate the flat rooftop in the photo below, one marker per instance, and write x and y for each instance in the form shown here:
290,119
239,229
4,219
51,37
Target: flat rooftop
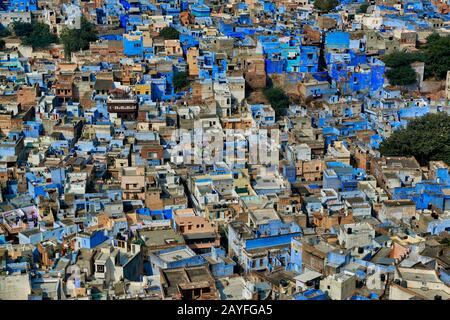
264,215
231,288
185,277
176,255
154,238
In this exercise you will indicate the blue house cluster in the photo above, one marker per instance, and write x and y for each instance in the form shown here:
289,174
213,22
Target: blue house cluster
161,162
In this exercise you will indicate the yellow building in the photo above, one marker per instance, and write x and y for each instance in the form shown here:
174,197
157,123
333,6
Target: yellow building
142,89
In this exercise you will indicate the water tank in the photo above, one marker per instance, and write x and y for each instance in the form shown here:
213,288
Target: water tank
284,283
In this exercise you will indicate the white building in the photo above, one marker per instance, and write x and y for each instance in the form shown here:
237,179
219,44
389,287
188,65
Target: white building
237,88
339,286
355,235
6,18
15,287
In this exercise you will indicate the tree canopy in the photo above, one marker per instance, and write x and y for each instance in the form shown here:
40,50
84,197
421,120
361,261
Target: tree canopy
435,53
78,39
22,29
401,75
400,72
325,5
363,7
169,33
34,34
180,80
437,56
278,99
426,138
4,32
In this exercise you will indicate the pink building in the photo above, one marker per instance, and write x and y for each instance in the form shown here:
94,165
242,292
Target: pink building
199,234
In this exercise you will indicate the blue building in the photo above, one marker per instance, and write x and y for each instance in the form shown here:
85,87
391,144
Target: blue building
22,5
266,253
200,9
90,240
342,177
133,44
311,294
219,264
174,257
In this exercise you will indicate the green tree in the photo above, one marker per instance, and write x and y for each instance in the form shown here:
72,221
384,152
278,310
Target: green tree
169,33
180,80
4,32
278,100
325,5
40,36
363,8
401,76
78,39
400,72
433,38
35,34
437,56
398,58
426,138
435,53
22,29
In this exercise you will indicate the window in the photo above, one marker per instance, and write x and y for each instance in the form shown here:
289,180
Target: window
152,155
100,268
